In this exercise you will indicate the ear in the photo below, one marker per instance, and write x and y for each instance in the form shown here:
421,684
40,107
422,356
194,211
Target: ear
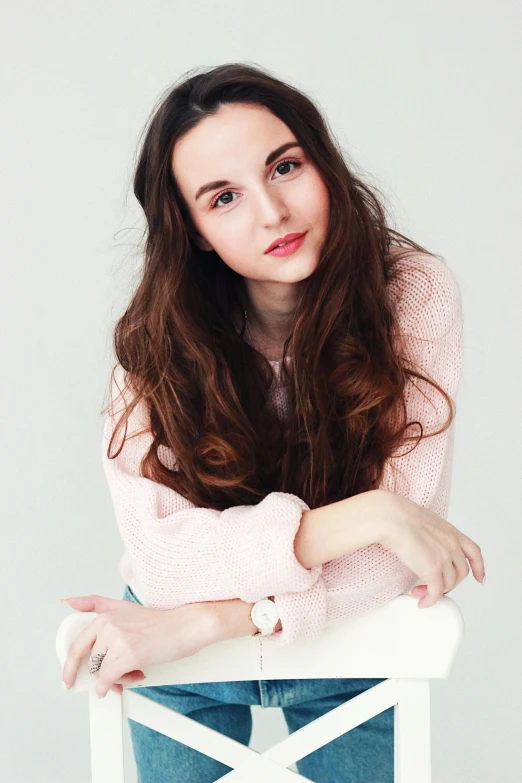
196,237
202,243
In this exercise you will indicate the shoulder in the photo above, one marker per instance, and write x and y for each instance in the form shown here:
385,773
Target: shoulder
426,296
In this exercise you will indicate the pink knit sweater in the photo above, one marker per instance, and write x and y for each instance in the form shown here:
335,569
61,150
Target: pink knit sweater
176,553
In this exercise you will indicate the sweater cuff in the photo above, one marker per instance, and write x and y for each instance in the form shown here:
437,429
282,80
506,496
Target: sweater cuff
303,615
258,554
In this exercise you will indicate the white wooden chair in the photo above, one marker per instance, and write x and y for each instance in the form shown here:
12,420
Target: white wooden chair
398,641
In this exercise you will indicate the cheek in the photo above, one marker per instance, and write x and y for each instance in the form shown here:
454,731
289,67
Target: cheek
234,245
323,199
230,236
316,201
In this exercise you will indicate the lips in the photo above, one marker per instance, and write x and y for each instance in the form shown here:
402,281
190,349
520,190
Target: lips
287,238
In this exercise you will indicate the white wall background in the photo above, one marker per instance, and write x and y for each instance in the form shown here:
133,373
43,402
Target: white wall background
425,98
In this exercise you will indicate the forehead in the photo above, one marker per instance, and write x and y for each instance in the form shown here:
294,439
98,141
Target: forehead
225,144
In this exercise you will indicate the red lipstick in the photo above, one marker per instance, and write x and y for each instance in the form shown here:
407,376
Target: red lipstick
292,243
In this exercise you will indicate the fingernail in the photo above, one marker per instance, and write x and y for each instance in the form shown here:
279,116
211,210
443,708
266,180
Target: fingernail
64,686
64,600
484,579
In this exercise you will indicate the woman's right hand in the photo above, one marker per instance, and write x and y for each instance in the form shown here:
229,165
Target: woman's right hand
431,547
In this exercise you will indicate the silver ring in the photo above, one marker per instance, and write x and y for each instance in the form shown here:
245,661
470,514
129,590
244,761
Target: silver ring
96,662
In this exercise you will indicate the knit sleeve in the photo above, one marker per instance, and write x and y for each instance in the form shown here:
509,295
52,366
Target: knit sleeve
429,315
176,553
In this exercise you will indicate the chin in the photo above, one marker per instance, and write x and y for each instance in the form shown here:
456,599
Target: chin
300,271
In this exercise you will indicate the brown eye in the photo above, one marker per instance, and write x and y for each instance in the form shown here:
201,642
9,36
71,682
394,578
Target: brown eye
288,163
225,193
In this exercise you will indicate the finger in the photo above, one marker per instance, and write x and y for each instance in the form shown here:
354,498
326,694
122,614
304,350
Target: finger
461,568
94,603
435,590
97,654
449,576
131,677
474,554
128,679
112,671
459,573
82,645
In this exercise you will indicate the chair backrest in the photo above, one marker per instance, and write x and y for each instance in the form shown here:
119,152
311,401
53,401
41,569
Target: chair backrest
398,641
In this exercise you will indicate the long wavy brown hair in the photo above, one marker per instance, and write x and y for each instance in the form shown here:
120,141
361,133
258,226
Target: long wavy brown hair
206,388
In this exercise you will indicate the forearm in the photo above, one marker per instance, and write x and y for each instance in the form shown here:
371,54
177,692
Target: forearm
343,527
324,534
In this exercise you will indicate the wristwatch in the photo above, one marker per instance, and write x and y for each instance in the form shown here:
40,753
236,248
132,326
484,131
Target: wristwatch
264,615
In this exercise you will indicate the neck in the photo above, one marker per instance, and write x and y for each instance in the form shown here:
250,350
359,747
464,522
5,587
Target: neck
270,312
273,331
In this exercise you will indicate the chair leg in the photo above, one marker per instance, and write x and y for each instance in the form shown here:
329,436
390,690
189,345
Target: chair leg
106,727
412,732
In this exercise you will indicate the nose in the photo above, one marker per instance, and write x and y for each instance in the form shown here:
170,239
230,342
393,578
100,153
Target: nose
272,208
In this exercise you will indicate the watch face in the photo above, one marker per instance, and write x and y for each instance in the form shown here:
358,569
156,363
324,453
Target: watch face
265,614
263,620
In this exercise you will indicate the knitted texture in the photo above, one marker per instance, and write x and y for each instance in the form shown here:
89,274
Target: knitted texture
176,553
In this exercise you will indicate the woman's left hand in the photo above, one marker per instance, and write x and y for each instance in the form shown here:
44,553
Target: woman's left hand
134,637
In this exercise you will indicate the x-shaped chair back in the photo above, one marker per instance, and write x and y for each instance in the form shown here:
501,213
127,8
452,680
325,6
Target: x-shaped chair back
398,641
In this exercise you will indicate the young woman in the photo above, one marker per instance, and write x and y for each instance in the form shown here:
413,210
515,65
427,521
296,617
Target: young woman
280,430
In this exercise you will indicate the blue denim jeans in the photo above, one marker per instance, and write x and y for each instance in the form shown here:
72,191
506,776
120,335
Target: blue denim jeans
362,755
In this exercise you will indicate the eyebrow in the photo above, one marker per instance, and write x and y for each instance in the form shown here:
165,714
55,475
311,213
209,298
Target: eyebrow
222,183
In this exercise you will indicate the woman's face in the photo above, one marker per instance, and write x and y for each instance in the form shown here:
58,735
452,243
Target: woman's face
259,202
